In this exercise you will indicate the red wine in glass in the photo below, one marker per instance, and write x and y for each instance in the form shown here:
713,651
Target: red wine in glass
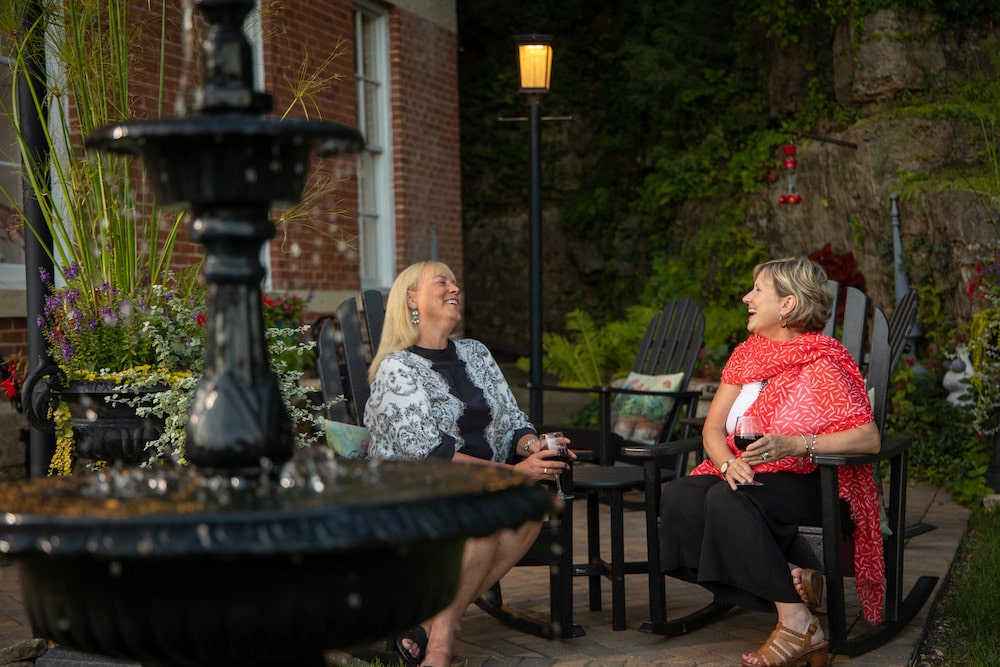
743,441
748,429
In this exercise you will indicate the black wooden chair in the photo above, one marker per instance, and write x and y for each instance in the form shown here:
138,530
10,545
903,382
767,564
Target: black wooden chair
824,547
344,353
671,345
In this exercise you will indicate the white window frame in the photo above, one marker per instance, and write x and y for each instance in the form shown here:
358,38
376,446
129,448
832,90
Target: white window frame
376,211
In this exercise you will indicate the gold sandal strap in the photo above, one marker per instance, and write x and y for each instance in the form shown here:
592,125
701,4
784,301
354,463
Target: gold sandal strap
776,650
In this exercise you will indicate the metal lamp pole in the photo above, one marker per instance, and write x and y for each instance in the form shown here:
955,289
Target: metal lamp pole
534,56
536,403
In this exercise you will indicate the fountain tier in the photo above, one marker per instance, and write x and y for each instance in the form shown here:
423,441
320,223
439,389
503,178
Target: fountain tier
181,569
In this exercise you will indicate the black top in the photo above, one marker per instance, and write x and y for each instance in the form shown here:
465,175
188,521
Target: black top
477,415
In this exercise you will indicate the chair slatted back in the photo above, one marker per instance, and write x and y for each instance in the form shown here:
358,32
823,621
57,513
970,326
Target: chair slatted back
672,341
849,319
344,356
901,324
374,306
328,364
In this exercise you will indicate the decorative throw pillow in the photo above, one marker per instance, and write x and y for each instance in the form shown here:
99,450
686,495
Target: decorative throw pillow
348,440
639,417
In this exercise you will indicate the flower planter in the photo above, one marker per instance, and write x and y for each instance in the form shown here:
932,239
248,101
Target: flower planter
103,430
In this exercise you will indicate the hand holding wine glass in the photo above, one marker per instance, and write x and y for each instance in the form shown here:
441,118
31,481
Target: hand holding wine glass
748,429
551,442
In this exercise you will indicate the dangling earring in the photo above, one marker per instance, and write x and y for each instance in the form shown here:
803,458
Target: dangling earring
414,316
781,321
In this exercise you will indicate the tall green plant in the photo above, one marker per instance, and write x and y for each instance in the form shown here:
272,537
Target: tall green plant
93,205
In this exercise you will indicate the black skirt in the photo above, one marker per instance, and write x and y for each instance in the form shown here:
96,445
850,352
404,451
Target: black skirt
734,542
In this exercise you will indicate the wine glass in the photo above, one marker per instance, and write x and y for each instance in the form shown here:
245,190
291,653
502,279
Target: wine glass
748,429
551,441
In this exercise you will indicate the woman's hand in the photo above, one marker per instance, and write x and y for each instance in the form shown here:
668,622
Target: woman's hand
739,472
541,465
772,447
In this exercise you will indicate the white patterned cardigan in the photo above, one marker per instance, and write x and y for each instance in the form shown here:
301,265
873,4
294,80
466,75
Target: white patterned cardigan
411,407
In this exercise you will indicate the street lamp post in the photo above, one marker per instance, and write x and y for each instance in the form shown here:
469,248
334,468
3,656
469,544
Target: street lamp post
534,59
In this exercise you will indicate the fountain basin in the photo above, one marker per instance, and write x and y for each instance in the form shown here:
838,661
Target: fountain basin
257,574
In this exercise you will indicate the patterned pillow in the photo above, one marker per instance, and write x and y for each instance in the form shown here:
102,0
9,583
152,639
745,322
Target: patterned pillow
641,418
348,440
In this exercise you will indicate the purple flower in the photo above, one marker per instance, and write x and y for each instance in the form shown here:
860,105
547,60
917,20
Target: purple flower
72,271
108,315
67,350
44,274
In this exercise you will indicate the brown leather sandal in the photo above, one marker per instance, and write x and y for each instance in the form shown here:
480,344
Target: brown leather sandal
812,588
788,648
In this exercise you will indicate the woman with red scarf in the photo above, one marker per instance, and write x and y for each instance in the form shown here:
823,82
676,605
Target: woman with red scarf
731,537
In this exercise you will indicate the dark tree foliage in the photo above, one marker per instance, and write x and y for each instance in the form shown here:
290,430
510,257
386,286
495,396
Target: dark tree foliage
670,114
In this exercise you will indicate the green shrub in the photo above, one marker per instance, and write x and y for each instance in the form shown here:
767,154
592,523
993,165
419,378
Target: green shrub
946,450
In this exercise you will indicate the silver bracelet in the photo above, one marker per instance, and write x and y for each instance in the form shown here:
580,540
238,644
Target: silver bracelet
805,442
811,448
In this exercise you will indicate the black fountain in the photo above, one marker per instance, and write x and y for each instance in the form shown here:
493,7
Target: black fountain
254,555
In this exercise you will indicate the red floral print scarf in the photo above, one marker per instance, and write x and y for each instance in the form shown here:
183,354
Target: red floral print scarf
813,386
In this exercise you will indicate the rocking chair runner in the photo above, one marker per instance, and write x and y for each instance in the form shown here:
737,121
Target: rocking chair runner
823,547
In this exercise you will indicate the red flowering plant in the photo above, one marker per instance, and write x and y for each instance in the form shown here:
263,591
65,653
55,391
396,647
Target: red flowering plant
11,378
984,345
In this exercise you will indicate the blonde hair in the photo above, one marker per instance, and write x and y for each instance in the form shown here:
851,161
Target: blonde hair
399,332
807,282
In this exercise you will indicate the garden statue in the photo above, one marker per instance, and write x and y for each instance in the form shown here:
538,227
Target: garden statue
956,379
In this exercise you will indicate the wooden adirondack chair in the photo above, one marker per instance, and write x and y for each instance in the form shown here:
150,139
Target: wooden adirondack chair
671,345
344,355
824,547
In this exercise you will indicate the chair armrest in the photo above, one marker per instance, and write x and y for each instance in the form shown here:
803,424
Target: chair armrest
556,387
890,450
662,449
686,394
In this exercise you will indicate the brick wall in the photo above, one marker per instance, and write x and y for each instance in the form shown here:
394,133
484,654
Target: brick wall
426,140
315,243
316,248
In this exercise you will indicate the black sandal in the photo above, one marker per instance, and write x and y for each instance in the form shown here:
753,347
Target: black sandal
418,637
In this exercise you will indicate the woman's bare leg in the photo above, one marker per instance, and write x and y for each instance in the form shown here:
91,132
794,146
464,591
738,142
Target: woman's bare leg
484,561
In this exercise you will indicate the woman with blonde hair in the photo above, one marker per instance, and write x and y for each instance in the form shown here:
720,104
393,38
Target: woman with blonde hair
731,536
437,396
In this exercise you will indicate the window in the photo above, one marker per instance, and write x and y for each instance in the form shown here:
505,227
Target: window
11,227
376,220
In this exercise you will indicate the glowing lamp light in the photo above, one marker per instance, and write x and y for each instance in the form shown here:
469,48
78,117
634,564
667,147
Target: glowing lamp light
534,61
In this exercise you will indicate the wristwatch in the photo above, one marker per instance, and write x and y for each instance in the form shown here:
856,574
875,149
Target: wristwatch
725,465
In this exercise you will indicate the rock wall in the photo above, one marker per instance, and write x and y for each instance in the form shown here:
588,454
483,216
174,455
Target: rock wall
847,191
